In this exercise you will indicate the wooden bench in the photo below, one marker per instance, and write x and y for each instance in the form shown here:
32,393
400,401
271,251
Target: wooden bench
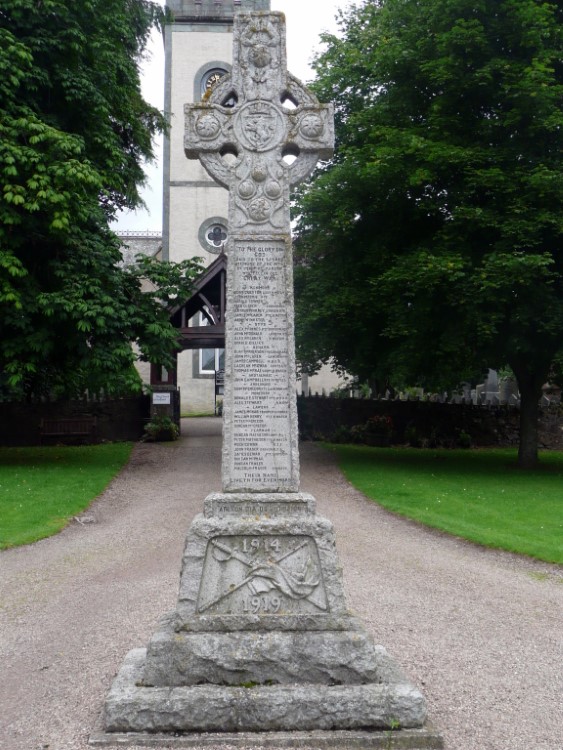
67,427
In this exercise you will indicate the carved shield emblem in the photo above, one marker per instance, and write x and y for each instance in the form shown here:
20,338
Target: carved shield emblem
259,126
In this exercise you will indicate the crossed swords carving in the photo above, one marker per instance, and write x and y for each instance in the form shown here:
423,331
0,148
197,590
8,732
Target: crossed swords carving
270,572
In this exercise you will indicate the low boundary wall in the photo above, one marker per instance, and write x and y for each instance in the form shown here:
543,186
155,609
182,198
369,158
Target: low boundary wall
116,420
434,424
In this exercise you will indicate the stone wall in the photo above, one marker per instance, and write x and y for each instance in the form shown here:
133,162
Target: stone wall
214,10
139,243
117,420
431,424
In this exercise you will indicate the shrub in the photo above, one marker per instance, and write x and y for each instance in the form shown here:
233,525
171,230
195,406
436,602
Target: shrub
464,439
161,429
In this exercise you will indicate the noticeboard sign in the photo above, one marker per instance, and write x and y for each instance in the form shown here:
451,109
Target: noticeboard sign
161,398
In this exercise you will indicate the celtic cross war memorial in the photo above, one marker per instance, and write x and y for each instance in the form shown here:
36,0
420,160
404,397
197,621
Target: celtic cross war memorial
261,643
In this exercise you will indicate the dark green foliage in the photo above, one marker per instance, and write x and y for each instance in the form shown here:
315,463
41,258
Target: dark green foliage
74,132
431,247
161,428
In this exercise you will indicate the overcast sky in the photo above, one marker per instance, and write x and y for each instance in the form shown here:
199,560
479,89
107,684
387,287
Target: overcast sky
306,20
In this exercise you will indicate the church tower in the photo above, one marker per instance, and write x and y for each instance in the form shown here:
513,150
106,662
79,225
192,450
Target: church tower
198,50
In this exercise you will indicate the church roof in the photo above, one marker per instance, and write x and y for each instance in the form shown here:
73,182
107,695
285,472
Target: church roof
208,297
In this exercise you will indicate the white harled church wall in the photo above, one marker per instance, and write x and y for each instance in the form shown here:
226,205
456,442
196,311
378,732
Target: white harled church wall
323,382
193,196
197,395
189,51
190,207
144,370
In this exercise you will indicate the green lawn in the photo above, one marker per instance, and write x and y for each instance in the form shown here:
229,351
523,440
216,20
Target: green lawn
476,494
41,489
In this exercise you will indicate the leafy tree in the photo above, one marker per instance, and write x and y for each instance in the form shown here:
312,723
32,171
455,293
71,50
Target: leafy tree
74,132
431,247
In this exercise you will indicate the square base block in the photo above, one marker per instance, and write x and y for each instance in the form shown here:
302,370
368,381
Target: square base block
265,658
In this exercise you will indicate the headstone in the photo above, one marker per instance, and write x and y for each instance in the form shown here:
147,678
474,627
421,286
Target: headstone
492,387
261,639
507,388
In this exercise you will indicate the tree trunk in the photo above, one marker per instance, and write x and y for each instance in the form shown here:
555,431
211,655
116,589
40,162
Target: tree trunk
528,446
530,387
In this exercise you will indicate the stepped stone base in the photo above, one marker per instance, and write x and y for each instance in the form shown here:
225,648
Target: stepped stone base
403,739
131,707
236,658
261,641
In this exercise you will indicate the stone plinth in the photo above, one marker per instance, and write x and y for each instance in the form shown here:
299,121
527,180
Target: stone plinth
335,739
131,707
260,658
269,559
261,639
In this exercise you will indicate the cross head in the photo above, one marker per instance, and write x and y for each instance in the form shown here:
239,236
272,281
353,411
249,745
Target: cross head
259,131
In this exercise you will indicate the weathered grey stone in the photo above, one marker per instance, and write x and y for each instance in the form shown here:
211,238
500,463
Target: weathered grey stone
272,567
261,639
260,451
273,708
265,658
252,505
340,739
266,623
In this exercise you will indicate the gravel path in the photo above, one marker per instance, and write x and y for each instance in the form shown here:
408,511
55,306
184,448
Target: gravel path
480,631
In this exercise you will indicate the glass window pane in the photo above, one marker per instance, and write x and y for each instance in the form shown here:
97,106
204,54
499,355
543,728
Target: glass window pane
221,358
207,360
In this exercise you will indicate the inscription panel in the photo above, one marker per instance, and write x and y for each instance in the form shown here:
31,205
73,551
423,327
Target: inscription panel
263,505
262,575
254,509
260,318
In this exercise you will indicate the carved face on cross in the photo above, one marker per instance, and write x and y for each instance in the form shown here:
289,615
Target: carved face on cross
260,130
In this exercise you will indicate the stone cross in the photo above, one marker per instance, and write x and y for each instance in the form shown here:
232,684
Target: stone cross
261,639
259,132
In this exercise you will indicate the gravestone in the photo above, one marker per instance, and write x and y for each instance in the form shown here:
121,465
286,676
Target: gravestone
261,641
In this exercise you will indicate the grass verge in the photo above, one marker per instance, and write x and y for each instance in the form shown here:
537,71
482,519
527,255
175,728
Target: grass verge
478,495
41,489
